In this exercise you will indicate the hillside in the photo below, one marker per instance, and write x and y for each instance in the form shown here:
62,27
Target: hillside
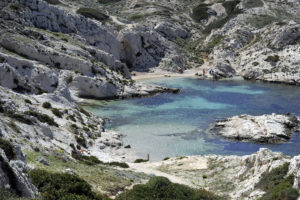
55,54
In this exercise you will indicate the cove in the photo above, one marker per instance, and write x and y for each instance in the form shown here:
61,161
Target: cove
168,125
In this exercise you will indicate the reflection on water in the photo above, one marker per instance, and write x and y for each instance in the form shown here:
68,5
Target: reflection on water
174,124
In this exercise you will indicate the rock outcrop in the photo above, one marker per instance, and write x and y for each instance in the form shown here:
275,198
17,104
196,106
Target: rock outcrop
13,168
263,129
235,177
294,169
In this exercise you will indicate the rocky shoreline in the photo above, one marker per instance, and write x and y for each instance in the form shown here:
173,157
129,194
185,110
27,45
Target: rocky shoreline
55,54
262,129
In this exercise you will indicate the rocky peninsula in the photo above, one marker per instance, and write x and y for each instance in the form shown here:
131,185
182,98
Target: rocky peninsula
263,129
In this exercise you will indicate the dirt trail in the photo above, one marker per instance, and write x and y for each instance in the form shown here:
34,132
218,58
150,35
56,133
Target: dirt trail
189,163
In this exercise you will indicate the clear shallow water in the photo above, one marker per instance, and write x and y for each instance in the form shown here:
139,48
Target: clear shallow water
174,124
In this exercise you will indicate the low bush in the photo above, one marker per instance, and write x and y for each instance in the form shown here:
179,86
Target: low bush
19,117
72,117
274,58
1,107
276,186
253,3
83,111
92,13
57,112
42,118
54,2
46,105
27,101
89,160
139,160
92,160
215,40
62,186
8,149
199,12
118,164
161,188
231,10
14,126
108,1
81,141
260,21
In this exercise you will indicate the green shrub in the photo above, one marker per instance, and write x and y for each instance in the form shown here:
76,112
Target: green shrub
71,117
1,107
118,164
107,1
14,127
19,117
230,6
54,2
69,80
252,3
46,105
161,188
274,59
83,111
74,126
92,13
81,141
92,160
72,145
86,129
260,21
89,160
62,186
215,40
57,112
139,160
231,10
200,12
278,187
8,148
42,117
27,101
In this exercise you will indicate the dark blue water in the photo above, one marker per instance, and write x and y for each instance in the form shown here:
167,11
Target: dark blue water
174,124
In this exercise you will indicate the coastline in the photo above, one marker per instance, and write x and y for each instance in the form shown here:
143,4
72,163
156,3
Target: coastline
163,74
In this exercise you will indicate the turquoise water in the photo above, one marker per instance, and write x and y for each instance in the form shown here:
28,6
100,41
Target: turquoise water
174,124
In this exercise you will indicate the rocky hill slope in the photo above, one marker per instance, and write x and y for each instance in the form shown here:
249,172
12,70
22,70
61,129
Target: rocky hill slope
55,53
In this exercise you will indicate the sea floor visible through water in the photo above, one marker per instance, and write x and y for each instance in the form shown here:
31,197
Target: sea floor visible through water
167,125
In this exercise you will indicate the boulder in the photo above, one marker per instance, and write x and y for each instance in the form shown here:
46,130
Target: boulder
223,69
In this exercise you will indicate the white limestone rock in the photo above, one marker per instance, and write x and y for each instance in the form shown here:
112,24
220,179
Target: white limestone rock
265,128
16,170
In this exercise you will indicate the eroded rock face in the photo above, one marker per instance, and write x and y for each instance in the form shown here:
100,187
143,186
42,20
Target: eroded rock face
171,32
294,169
266,128
143,48
13,176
